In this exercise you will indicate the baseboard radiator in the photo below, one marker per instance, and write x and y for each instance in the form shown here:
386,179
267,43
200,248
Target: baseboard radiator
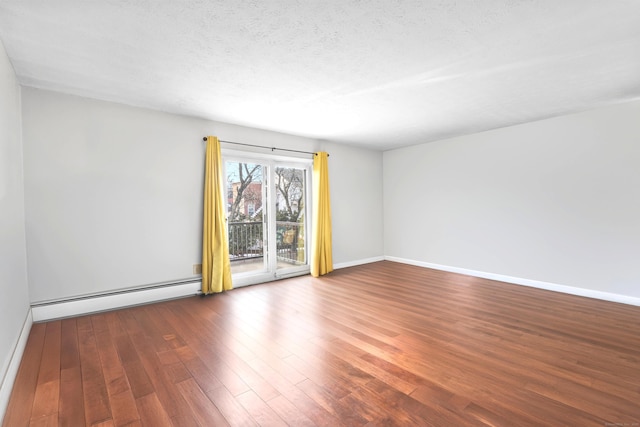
110,300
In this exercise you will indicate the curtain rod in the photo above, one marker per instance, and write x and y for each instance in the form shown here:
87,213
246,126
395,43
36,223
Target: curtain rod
267,148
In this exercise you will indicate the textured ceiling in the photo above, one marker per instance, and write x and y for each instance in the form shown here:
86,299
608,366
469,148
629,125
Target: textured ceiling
379,73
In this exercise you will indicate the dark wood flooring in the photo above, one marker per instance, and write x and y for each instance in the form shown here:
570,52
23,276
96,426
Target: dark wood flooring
379,344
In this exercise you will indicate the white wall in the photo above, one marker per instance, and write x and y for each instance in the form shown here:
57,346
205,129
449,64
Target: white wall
14,297
356,203
113,193
555,201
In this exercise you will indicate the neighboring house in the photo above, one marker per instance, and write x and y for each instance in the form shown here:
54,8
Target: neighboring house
251,202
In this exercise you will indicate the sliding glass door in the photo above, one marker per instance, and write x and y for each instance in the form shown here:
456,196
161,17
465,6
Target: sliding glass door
267,205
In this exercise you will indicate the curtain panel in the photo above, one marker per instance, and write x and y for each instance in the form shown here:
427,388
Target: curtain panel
216,268
321,259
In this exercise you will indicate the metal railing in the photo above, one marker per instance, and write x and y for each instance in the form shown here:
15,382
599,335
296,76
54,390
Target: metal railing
246,241
289,238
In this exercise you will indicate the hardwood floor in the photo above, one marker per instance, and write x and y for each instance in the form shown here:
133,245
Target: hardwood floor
380,344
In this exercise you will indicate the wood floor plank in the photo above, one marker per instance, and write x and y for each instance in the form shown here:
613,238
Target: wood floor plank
24,389
289,413
319,352
203,409
47,396
124,408
210,338
50,365
94,389
182,421
321,374
230,408
261,413
160,379
199,371
50,420
349,353
71,405
372,345
312,410
332,403
137,378
251,378
121,398
46,400
152,412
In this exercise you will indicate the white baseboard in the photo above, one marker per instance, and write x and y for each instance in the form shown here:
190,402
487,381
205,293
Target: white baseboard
358,262
114,300
111,301
9,377
589,293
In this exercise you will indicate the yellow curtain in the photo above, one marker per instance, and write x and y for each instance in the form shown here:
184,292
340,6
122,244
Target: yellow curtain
321,261
216,269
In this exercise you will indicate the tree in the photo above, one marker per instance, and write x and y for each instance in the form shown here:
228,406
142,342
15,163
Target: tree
243,192
290,186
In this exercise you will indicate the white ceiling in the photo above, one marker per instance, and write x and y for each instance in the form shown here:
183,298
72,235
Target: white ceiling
378,73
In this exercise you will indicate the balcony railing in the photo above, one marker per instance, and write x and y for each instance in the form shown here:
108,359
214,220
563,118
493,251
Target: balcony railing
246,241
290,242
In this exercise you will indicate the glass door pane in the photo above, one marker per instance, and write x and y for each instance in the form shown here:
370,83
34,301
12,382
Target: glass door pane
246,204
290,208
